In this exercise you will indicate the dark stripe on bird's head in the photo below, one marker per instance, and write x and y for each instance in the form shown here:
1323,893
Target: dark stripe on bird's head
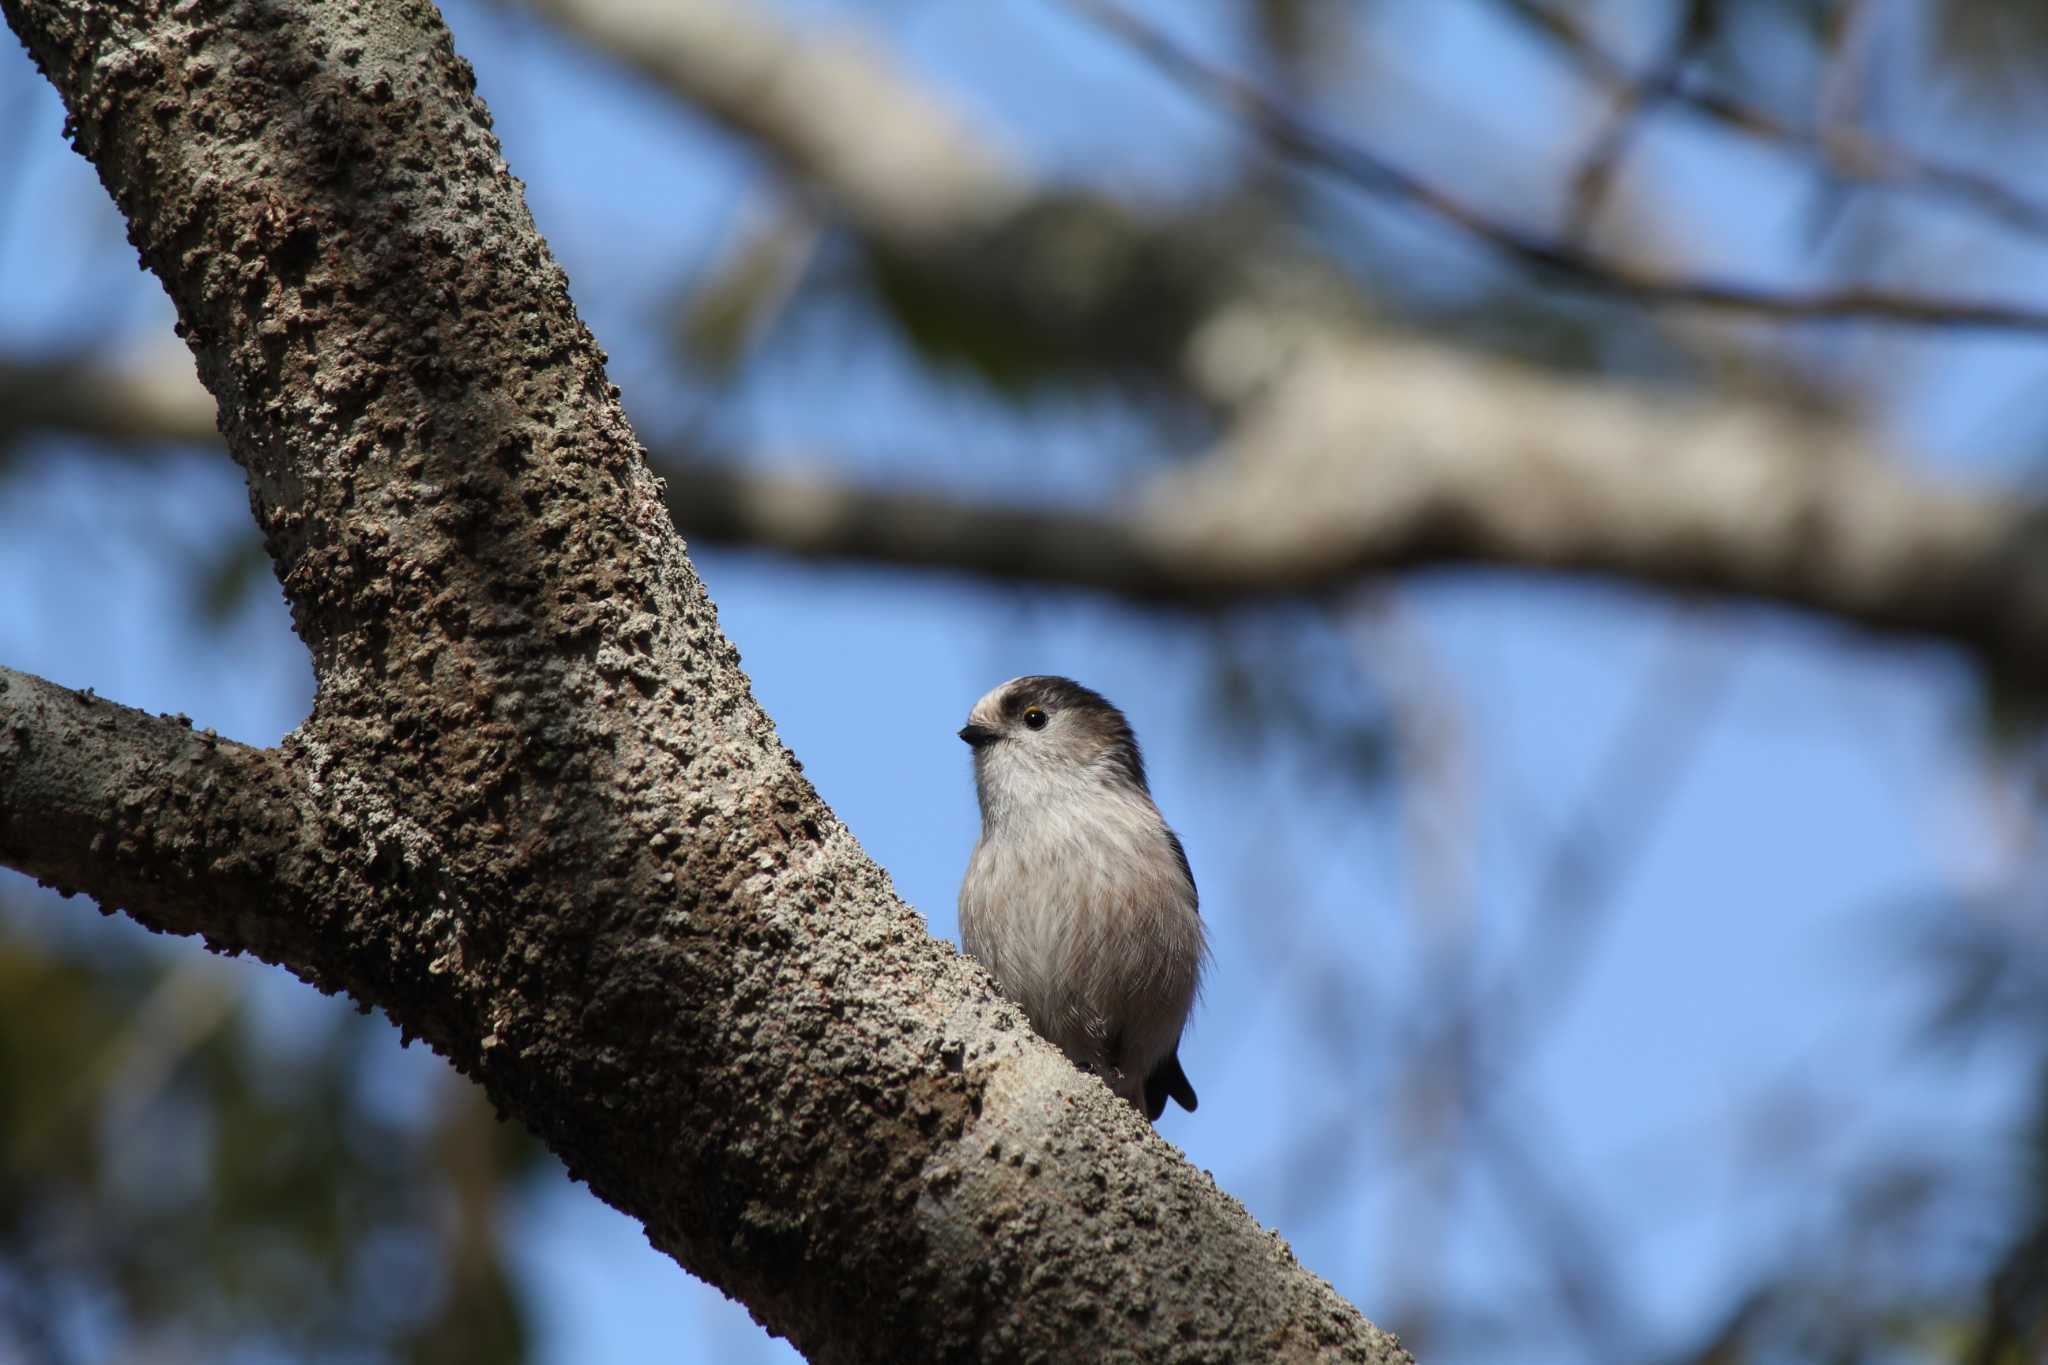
1094,712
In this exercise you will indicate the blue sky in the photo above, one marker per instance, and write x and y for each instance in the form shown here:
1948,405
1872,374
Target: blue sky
1753,936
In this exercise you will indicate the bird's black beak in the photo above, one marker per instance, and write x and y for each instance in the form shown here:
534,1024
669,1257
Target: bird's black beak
977,735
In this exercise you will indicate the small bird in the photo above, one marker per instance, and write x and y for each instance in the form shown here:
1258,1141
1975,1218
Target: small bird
1078,898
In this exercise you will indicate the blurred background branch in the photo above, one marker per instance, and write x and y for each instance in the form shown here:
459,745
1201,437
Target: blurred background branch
1358,165
1353,455
1847,149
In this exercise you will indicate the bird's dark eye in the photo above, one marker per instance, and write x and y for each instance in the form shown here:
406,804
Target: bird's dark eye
1034,718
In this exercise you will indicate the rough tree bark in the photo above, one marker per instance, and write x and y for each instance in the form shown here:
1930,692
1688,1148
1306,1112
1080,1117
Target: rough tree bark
535,814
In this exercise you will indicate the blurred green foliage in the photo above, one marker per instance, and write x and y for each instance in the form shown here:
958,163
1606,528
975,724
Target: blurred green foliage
175,1186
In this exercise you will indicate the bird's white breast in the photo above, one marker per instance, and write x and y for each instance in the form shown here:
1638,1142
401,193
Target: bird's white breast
1078,906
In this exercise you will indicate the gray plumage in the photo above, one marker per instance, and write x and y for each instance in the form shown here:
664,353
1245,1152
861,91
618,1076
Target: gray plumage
1078,898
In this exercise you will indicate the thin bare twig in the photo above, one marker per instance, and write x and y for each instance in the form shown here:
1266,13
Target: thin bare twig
1845,71
1543,1201
1597,166
1850,153
1365,169
1631,104
1676,704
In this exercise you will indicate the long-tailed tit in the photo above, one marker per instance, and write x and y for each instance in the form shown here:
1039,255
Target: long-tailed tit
1078,898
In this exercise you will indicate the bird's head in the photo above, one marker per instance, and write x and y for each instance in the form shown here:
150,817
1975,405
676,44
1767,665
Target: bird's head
1047,732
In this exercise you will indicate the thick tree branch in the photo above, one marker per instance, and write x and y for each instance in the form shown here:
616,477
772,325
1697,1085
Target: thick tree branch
181,827
540,819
